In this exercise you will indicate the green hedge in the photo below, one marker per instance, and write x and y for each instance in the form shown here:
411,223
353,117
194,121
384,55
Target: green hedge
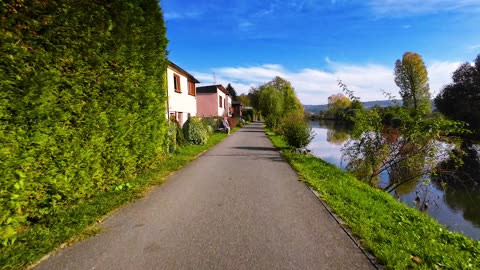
81,104
195,131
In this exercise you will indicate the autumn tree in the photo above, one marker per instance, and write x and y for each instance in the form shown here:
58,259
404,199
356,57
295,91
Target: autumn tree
461,99
338,101
412,78
231,90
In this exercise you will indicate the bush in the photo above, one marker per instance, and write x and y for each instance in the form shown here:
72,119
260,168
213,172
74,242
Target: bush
195,131
172,136
180,137
210,124
296,130
272,121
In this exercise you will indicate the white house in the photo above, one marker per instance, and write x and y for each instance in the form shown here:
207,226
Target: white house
213,100
181,92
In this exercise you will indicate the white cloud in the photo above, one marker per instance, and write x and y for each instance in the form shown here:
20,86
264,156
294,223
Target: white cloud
440,74
314,86
178,16
474,47
415,7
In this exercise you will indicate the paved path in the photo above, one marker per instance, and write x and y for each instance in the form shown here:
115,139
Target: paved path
238,206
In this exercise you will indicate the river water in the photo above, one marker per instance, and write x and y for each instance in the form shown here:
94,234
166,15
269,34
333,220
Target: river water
456,208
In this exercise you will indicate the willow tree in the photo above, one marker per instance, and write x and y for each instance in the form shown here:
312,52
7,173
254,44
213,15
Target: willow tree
411,77
277,99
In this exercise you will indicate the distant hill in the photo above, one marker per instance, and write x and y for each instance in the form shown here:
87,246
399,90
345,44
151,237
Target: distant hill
367,104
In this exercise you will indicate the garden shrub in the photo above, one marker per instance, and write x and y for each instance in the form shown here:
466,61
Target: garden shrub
296,130
81,90
179,135
210,124
172,136
195,131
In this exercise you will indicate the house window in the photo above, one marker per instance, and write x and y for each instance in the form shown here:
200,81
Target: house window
220,101
191,88
176,83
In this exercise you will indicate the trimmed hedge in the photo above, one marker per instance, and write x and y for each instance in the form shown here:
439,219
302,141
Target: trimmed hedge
195,131
82,102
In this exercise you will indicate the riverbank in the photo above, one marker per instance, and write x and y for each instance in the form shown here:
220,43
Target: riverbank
400,237
79,222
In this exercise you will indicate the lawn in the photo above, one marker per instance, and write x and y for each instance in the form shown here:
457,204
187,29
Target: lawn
399,236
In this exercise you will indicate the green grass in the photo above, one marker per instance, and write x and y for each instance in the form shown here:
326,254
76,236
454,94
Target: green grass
399,236
79,221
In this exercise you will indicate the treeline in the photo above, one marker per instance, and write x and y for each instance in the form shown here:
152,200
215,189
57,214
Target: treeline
82,102
460,100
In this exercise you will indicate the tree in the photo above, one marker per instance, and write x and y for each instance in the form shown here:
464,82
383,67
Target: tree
233,93
461,99
245,99
338,101
289,99
412,78
253,96
277,99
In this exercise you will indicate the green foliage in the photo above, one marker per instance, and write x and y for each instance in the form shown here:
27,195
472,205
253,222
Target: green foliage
245,99
399,236
296,131
412,78
232,92
68,224
79,107
172,137
276,99
248,115
460,100
194,131
393,140
179,136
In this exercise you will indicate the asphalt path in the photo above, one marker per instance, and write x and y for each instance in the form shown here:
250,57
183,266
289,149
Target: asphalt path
237,206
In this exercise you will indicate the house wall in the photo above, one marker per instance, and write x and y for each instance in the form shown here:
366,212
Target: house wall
223,111
181,104
207,104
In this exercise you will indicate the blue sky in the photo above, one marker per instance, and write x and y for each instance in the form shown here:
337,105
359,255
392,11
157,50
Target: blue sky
314,43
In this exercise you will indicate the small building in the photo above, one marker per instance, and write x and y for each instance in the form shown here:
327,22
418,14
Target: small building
237,108
182,102
213,100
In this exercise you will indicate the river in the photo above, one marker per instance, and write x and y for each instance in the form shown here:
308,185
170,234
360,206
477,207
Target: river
456,208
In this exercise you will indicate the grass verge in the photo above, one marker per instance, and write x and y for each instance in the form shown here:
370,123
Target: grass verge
399,236
80,221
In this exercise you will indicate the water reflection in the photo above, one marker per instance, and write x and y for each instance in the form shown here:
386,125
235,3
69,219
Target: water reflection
453,198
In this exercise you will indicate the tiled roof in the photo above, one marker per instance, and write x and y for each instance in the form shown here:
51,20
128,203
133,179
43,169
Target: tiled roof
181,70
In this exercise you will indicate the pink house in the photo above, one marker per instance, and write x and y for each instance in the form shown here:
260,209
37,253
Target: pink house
182,102
213,100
